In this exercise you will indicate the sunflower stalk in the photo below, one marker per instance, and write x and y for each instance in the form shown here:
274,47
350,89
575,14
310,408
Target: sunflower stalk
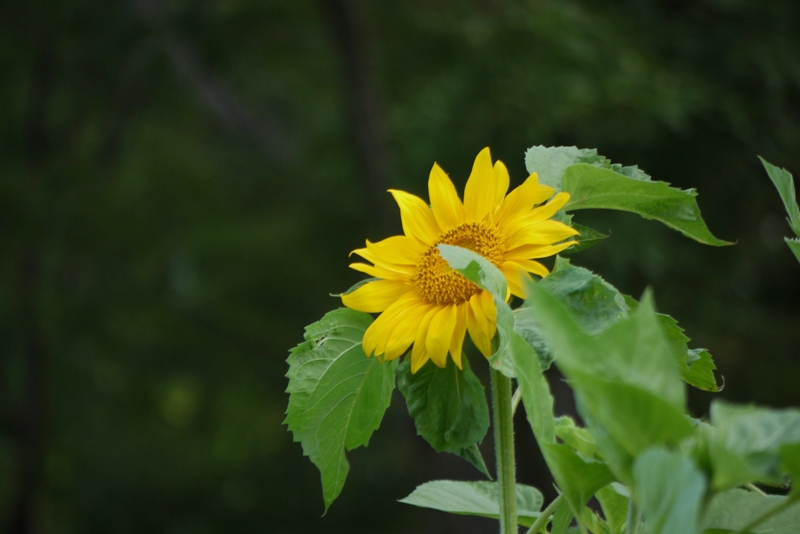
504,451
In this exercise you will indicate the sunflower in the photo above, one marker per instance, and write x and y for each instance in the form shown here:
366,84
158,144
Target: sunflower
421,300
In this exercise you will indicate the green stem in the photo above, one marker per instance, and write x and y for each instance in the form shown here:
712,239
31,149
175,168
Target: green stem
504,451
754,489
545,516
632,523
515,400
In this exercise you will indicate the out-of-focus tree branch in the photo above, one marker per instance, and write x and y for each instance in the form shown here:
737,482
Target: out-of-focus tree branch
265,131
363,99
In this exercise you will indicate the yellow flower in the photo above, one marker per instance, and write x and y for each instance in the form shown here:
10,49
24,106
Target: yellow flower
425,302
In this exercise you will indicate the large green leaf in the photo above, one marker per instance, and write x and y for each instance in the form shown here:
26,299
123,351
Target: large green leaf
475,498
733,510
747,443
785,185
551,162
626,381
591,187
337,396
669,489
448,405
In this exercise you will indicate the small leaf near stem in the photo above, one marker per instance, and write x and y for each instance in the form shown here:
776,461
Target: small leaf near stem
504,450
545,517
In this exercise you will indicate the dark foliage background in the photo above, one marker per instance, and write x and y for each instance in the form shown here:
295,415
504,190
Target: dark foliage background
181,182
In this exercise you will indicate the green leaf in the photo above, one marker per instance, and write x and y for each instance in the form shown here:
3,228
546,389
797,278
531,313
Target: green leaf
785,185
626,381
576,437
475,498
473,455
594,303
551,162
790,463
578,477
747,443
794,245
669,489
562,517
588,238
337,395
536,395
613,500
448,405
696,366
355,286
475,268
733,510
595,188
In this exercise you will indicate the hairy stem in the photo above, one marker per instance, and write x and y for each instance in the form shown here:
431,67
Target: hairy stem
504,450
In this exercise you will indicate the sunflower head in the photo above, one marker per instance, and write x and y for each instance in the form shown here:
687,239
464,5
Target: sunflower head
421,300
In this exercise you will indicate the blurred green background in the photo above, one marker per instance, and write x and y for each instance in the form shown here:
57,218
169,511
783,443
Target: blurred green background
181,182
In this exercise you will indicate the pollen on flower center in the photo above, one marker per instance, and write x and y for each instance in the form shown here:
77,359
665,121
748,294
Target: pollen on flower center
437,283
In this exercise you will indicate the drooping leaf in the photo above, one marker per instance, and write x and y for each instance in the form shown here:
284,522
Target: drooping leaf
669,489
626,381
588,238
747,443
785,185
337,395
696,366
591,187
614,500
448,405
735,509
594,303
475,498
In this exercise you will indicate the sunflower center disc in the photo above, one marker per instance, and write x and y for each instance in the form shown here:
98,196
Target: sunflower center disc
437,282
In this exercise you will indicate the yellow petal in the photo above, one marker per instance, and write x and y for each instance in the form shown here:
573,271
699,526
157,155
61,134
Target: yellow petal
481,190
533,267
479,317
540,233
526,252
419,354
457,342
376,296
440,334
447,207
548,210
376,336
417,217
501,175
397,249
405,330
517,278
383,273
480,338
521,200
